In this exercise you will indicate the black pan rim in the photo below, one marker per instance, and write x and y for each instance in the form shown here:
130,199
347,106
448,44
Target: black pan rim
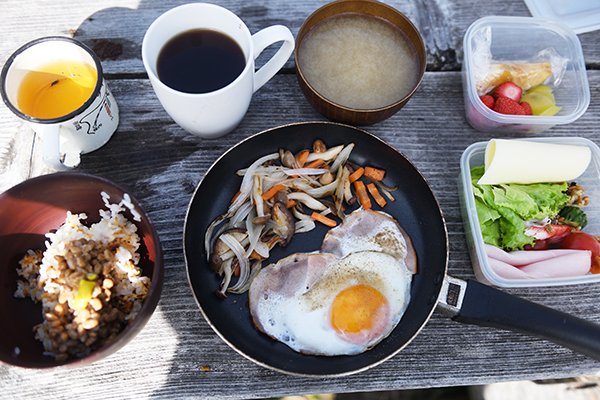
266,365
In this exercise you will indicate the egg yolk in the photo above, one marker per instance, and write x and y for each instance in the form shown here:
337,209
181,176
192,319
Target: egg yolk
359,309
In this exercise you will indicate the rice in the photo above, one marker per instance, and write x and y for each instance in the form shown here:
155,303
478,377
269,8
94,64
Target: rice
87,280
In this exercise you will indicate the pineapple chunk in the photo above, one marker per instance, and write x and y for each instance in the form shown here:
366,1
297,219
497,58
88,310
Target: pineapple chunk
525,76
550,111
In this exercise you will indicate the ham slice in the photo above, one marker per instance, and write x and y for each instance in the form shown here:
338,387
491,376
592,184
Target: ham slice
534,264
526,257
507,271
561,267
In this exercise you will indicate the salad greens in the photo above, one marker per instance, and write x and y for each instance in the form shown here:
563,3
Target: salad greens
504,209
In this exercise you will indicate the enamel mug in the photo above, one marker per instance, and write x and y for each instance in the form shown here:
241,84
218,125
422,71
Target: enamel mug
50,62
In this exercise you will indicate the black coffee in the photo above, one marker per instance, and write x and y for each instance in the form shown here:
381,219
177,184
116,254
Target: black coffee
200,61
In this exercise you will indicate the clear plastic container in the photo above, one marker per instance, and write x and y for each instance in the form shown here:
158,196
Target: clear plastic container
581,16
519,39
474,156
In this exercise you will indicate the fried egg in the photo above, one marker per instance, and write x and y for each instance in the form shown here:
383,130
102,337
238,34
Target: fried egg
368,230
325,305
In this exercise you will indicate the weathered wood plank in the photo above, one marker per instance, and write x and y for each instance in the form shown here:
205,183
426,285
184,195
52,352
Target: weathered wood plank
161,165
115,28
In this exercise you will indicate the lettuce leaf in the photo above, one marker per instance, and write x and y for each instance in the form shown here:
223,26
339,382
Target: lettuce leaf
503,209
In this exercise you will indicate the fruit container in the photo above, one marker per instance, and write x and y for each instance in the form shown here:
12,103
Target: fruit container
520,39
474,156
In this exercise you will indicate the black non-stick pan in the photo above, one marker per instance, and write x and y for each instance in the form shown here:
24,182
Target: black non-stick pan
419,214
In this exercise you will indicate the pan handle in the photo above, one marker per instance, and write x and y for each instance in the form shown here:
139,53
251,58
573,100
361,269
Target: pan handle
474,303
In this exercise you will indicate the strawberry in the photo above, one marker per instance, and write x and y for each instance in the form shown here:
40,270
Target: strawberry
488,101
510,90
504,105
526,108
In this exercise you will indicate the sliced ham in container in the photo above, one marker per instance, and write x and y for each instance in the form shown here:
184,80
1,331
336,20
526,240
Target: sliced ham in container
534,264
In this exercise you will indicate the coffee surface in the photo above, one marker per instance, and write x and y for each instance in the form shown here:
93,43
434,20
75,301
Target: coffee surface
358,61
200,61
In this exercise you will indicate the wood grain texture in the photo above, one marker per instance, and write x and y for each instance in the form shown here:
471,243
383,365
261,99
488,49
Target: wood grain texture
178,356
115,28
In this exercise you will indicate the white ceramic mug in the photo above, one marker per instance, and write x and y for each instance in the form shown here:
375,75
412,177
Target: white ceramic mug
215,113
80,131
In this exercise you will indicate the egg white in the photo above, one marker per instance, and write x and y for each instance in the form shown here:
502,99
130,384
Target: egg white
302,318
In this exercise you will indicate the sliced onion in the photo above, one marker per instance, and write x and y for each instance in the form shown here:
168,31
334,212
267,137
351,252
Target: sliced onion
386,190
322,191
268,181
262,249
326,212
229,254
305,225
301,184
254,232
304,171
330,154
342,157
239,251
387,194
260,170
242,288
301,216
246,186
307,200
241,213
208,237
380,185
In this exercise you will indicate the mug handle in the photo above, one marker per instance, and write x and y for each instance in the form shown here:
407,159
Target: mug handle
263,39
50,135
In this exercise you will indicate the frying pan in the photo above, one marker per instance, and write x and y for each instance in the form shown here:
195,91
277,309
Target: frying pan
417,211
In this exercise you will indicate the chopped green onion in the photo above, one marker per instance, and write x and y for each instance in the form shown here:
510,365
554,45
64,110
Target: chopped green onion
91,277
84,293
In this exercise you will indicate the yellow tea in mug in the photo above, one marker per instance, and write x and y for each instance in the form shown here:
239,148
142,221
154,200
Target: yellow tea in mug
56,89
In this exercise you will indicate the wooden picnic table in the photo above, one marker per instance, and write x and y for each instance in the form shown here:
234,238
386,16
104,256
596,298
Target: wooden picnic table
177,355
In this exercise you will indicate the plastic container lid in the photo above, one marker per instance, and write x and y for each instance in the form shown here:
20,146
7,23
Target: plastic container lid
590,180
579,15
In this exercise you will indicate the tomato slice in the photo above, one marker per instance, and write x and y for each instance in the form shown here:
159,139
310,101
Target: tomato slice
584,241
540,244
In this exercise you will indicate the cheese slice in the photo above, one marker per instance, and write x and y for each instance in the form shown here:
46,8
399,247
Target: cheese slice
519,161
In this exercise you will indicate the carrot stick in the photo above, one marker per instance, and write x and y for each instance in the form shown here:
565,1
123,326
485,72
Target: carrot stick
269,194
323,219
361,193
374,173
291,203
314,164
301,157
356,174
376,195
235,196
